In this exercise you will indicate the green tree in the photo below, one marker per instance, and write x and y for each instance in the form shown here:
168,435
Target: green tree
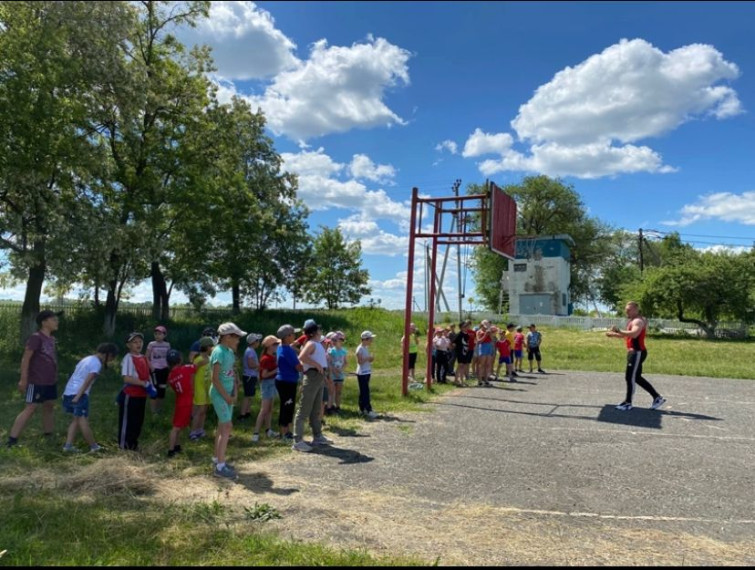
335,275
53,56
700,288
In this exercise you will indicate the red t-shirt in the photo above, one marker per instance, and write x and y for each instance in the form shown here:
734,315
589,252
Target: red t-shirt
503,347
518,341
268,362
301,341
43,365
141,367
181,380
472,336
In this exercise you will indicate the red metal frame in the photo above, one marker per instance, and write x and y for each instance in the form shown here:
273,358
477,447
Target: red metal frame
459,205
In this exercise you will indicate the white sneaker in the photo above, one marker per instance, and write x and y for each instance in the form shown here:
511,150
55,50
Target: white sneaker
255,437
372,415
657,403
624,407
271,433
71,449
301,446
321,440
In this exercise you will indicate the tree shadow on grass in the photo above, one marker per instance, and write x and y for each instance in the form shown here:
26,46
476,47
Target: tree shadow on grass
346,456
261,483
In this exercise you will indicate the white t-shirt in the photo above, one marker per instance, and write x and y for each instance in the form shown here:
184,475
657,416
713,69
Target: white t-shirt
318,355
365,367
85,367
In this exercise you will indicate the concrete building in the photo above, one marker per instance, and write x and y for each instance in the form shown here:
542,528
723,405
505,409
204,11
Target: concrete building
538,278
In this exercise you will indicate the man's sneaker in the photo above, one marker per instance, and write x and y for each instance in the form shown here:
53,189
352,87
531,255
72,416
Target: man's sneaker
372,414
624,407
657,403
271,433
226,472
255,437
301,446
321,440
71,449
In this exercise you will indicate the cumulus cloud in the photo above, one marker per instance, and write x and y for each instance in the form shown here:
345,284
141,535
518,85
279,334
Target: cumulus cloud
725,206
245,42
480,143
583,122
321,186
362,167
337,89
447,145
374,240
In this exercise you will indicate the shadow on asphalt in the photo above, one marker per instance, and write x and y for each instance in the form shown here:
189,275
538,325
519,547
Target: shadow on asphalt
346,432
639,417
346,456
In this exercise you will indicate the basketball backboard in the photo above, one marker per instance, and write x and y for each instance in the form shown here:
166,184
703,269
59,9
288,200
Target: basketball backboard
502,231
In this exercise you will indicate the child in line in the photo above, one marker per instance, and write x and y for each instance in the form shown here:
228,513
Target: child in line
268,369
158,366
76,394
327,389
250,377
364,371
224,392
510,337
338,362
518,344
201,387
135,373
504,356
181,379
413,349
533,342
287,380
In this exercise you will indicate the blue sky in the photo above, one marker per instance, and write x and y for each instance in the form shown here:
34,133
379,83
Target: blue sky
645,108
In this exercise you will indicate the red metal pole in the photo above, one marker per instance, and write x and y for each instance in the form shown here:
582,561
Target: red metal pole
409,284
431,299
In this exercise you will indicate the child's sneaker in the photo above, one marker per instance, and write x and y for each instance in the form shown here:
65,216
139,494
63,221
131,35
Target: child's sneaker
226,472
255,437
171,453
94,448
372,414
71,449
271,433
301,446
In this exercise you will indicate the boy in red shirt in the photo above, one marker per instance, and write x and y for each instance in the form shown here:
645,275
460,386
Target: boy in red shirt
181,379
504,356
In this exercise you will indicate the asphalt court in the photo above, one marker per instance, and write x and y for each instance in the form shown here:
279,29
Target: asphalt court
554,445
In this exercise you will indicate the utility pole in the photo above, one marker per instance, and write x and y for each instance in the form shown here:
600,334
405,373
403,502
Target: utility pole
642,264
457,183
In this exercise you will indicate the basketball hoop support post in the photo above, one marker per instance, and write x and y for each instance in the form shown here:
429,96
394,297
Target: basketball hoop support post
409,282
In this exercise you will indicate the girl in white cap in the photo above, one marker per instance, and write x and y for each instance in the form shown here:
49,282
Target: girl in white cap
364,371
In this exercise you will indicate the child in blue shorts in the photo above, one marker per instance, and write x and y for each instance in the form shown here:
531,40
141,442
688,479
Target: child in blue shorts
76,394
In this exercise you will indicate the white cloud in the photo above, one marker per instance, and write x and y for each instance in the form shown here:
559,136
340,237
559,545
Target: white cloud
337,89
480,143
725,206
362,167
630,91
448,145
583,121
247,44
374,240
732,249
321,190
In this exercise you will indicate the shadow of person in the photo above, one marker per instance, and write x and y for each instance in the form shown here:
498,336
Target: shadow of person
346,432
389,418
346,456
261,483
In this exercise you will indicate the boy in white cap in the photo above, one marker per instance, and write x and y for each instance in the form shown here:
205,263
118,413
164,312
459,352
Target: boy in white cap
364,371
224,391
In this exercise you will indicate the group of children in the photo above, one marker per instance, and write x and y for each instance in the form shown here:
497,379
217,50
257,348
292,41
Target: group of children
311,368
476,348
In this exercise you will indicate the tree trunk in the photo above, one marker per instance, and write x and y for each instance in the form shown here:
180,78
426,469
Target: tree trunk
30,308
160,295
236,295
111,308
709,329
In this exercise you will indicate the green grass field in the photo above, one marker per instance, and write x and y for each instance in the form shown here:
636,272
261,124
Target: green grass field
102,509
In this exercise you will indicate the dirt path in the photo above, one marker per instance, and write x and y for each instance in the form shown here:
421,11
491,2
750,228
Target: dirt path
539,472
